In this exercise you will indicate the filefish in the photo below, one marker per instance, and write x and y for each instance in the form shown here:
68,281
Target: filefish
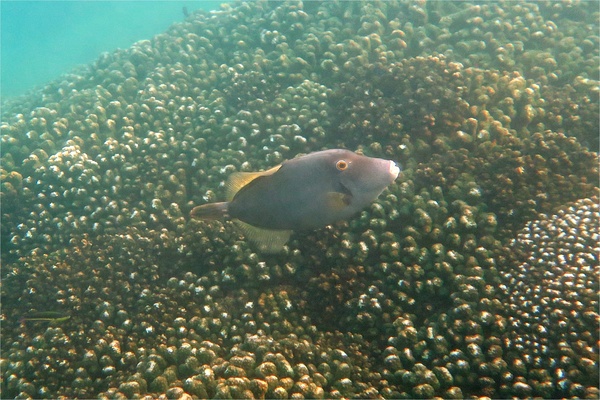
303,193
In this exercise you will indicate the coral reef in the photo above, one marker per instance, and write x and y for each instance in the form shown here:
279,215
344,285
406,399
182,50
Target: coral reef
552,292
475,274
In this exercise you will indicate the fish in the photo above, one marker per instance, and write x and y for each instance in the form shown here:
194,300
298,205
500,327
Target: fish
304,193
52,317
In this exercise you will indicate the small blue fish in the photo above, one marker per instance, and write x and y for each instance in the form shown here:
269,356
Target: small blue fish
304,193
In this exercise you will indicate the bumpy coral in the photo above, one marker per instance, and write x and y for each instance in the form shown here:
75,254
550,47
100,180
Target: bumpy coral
132,332
552,292
434,290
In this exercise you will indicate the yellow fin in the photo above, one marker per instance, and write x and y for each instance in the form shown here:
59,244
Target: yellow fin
337,201
210,211
267,240
238,180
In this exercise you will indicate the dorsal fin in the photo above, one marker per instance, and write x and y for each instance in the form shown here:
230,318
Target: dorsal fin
238,180
267,240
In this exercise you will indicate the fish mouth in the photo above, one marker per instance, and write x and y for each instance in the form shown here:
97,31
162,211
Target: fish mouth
394,170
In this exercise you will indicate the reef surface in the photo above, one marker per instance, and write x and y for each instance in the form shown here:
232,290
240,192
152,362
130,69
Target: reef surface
475,274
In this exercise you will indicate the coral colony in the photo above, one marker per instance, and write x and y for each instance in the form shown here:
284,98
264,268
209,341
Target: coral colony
474,274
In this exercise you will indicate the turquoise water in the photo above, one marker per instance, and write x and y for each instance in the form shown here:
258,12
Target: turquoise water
43,39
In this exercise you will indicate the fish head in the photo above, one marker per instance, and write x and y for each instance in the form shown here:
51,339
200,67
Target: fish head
364,178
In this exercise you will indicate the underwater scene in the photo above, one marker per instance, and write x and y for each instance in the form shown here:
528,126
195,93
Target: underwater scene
452,252
37,49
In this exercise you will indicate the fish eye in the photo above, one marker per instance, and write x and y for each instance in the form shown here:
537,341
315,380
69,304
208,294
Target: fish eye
341,165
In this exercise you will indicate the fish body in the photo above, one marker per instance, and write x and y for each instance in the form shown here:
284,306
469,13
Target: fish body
51,317
304,193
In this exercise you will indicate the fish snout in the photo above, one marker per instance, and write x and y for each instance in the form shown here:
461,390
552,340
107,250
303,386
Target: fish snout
394,170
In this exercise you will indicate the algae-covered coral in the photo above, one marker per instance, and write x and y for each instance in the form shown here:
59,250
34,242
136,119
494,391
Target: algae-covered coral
455,283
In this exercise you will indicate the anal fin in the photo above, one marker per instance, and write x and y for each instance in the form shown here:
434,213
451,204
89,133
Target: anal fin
268,240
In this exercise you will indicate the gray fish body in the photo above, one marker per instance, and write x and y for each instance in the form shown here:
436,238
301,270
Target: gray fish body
298,195
303,193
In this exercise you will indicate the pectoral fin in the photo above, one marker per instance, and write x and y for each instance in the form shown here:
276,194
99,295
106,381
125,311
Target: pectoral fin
267,240
337,201
238,180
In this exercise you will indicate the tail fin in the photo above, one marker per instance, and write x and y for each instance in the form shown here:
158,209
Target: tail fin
210,211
